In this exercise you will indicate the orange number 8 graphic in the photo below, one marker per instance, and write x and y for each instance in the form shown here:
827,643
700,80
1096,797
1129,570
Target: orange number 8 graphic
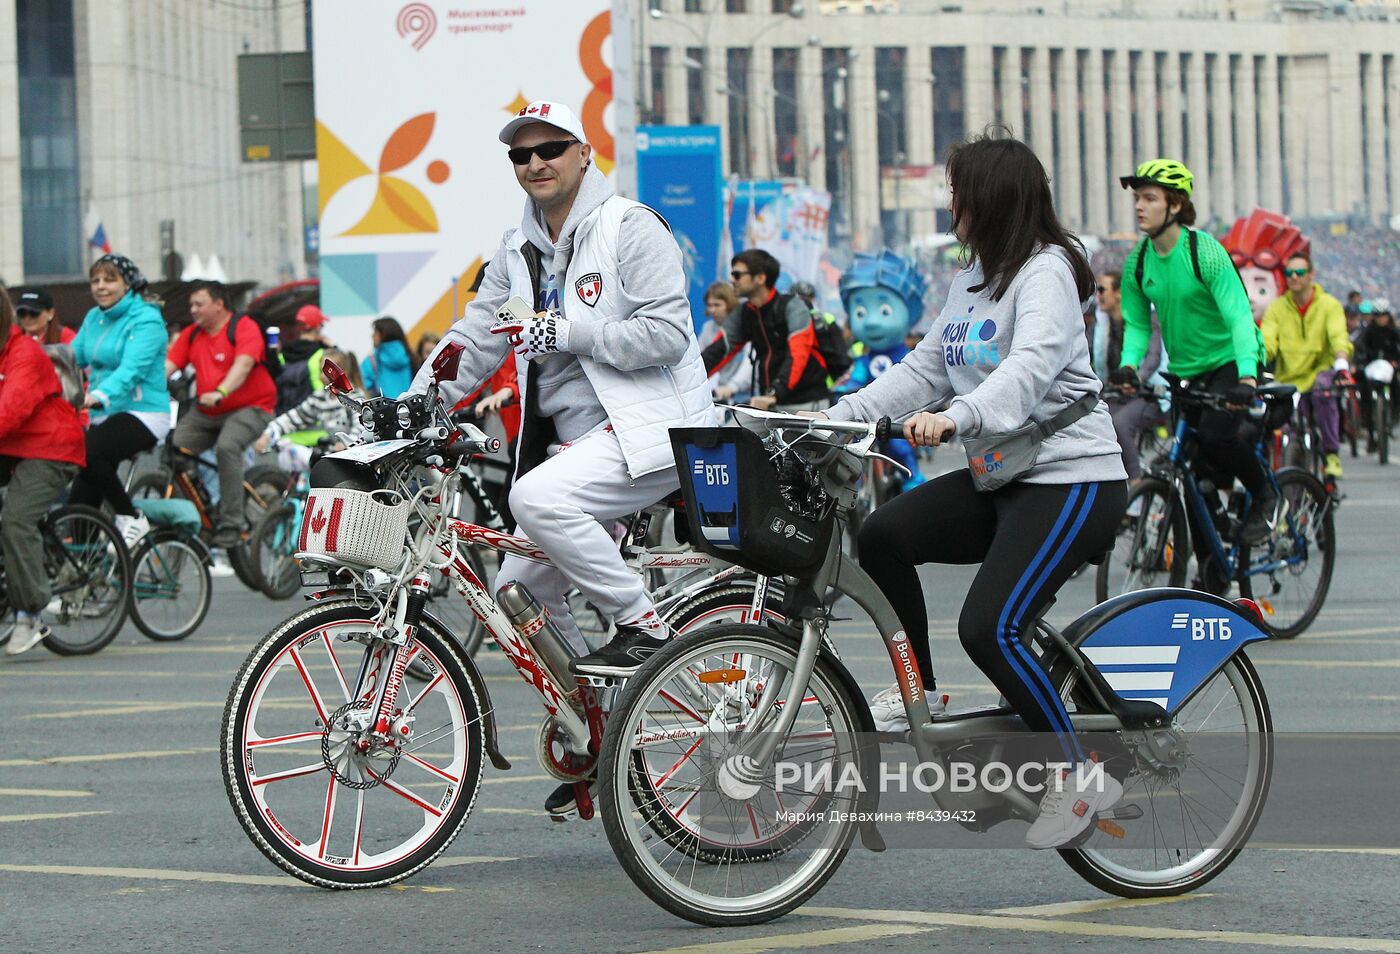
590,56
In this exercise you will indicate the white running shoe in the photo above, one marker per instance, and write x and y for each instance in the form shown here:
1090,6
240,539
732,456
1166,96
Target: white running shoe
887,706
219,566
132,529
29,631
1069,807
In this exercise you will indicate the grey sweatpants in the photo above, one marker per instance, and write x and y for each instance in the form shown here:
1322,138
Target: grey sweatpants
33,487
230,435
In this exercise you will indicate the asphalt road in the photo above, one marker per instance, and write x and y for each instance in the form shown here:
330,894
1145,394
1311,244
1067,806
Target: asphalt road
116,835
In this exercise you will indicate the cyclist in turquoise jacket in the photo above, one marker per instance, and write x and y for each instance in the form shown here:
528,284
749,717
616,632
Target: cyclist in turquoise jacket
122,344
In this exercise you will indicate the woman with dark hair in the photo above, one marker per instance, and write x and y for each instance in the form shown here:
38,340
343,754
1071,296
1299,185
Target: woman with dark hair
41,448
390,368
1006,353
122,343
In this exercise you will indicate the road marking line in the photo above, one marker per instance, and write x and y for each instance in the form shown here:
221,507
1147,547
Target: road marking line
137,708
213,877
1096,929
45,793
1338,849
46,816
518,778
106,757
1090,907
468,860
787,942
1328,663
514,811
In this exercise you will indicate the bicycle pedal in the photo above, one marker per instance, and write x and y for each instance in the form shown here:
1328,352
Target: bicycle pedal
600,682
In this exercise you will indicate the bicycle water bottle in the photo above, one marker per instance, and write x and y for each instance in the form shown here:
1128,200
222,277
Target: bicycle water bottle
533,623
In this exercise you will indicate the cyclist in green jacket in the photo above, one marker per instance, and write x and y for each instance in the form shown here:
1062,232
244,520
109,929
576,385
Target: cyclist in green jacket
1207,326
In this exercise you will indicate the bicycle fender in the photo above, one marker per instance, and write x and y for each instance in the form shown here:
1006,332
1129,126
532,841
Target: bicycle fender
488,712
1161,645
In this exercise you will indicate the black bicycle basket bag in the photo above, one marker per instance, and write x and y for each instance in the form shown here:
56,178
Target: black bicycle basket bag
744,507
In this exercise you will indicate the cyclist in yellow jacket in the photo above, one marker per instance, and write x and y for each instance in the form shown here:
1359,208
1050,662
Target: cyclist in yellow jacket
1305,333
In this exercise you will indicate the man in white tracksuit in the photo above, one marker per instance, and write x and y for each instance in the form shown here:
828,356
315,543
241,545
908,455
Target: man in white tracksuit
607,366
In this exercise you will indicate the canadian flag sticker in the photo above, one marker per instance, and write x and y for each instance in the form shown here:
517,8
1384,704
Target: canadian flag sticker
589,288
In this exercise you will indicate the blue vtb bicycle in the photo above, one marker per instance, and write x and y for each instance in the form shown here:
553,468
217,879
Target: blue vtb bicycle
1173,514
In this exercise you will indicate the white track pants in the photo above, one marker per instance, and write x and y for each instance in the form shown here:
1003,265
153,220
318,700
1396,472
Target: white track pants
562,505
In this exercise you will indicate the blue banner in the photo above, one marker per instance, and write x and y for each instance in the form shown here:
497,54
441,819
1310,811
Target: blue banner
679,175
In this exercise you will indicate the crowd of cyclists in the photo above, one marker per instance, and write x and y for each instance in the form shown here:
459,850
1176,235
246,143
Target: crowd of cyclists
587,387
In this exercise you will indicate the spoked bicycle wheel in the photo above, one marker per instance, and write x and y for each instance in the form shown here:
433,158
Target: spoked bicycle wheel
1196,812
1290,572
90,571
705,831
272,551
1152,546
315,790
729,603
171,587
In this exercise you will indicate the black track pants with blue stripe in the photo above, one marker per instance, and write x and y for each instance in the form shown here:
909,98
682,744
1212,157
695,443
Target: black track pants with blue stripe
1028,539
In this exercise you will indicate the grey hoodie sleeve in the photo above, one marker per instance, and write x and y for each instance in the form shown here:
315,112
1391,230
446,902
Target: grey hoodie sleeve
483,352
1047,329
658,329
917,383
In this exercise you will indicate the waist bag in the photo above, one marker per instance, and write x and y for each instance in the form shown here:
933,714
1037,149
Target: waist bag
997,460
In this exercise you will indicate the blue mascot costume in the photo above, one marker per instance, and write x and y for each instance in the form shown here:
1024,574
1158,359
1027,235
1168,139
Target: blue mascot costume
883,295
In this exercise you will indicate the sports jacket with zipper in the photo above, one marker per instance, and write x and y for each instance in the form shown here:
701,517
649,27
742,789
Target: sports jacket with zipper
631,330
785,359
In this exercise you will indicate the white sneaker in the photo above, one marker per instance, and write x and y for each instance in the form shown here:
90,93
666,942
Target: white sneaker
132,529
1069,807
219,566
887,706
29,631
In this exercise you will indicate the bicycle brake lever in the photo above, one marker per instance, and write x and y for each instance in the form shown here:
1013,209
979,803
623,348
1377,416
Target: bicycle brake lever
891,460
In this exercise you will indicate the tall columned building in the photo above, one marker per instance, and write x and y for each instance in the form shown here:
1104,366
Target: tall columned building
130,107
1289,104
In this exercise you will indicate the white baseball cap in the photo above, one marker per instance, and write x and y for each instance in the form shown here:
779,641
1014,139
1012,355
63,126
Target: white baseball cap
543,111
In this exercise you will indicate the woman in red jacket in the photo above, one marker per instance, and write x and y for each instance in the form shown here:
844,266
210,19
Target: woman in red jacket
41,450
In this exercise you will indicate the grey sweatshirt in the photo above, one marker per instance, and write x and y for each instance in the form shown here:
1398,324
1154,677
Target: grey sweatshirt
996,366
653,287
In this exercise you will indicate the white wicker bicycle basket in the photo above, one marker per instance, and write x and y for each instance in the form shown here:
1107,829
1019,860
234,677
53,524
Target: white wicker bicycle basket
364,528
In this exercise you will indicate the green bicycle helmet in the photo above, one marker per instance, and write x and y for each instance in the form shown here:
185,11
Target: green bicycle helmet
1167,173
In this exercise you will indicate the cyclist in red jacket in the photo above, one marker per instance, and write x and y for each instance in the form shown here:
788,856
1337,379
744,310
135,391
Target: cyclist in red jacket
41,450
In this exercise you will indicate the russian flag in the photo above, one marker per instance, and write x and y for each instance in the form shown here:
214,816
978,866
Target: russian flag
97,235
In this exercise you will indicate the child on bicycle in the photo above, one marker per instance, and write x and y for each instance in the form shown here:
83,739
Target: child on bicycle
1008,349
41,449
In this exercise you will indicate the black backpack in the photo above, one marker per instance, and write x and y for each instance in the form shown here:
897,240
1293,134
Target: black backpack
1194,245
294,383
835,353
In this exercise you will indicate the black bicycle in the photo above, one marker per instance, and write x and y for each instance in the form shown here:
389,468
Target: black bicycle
1173,514
92,581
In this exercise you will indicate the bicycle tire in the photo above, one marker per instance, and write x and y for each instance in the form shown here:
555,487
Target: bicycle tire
617,793
1320,533
158,562
1162,530
267,830
728,603
1381,416
93,559
161,485
269,485
1106,871
272,547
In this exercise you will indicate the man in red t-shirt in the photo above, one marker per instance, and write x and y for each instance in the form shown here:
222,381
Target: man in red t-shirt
236,395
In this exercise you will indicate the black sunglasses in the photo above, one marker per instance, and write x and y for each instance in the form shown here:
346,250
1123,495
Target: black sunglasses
553,149
1103,288
737,275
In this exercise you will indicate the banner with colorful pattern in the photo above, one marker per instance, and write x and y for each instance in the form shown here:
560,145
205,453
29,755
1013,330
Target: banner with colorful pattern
414,188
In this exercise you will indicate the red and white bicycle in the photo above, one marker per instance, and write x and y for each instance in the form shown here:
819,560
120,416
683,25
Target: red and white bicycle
340,771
